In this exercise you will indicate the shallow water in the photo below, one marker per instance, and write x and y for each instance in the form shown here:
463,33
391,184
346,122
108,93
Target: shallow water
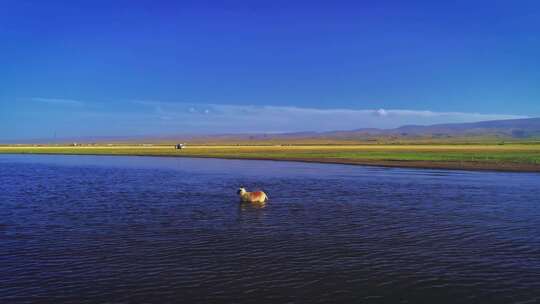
92,229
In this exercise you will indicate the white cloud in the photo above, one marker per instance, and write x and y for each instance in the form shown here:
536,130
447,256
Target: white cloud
381,112
76,118
59,101
218,118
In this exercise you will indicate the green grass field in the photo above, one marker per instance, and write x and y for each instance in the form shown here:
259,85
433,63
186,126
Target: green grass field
465,154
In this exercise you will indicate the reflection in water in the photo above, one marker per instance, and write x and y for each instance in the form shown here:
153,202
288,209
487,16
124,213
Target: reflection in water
250,212
252,206
85,229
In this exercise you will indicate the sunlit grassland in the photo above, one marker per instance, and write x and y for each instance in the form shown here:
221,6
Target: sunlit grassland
491,153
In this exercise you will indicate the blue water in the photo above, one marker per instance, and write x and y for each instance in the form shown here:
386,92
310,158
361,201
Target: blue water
96,229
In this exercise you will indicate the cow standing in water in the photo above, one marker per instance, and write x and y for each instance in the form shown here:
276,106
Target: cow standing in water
252,197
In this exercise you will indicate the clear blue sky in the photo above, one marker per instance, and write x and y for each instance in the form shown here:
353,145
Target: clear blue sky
82,68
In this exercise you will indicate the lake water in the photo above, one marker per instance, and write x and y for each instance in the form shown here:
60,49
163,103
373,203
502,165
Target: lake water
90,229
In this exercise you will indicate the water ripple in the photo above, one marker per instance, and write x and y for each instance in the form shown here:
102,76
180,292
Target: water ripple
127,230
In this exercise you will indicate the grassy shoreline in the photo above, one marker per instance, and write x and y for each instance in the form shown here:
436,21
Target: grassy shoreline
511,157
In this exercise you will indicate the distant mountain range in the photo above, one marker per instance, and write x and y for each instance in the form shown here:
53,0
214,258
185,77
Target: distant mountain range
511,129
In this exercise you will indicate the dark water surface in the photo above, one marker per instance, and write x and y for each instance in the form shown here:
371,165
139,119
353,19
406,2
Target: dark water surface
94,229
